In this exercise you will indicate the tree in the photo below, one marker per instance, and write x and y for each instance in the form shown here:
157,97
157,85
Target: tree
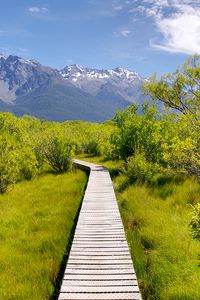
179,90
135,133
182,151
58,152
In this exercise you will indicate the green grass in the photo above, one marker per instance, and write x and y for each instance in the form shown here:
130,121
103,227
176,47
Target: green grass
165,256
36,221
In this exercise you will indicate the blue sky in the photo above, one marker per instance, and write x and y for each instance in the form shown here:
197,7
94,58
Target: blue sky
146,36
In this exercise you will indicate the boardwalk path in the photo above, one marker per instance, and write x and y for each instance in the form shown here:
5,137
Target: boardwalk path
99,265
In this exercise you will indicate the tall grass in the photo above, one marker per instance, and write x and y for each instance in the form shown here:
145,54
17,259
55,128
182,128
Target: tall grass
165,256
36,219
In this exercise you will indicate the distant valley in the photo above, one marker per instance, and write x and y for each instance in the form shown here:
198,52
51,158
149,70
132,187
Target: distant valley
73,93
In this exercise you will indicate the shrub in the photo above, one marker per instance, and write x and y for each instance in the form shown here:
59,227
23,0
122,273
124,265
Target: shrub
58,153
134,133
93,148
138,168
39,154
28,163
9,162
195,222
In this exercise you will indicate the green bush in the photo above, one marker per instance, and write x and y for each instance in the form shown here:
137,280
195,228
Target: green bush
28,163
58,153
135,133
9,162
195,222
93,148
138,169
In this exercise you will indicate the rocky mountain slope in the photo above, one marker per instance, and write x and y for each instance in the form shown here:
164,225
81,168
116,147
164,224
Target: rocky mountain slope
75,92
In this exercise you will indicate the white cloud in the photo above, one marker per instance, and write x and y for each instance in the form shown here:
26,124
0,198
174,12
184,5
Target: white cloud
118,7
125,32
139,9
36,9
181,34
177,20
122,32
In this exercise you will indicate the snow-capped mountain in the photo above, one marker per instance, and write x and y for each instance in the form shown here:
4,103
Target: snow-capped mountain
19,76
126,83
75,72
75,92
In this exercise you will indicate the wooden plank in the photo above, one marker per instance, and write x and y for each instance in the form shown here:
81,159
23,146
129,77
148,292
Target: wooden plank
100,296
96,289
100,261
102,236
99,246
98,252
69,270
111,243
99,277
105,231
98,283
99,220
100,266
101,255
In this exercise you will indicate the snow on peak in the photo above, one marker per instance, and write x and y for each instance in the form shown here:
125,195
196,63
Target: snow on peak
126,73
13,58
76,72
3,56
25,61
80,68
75,68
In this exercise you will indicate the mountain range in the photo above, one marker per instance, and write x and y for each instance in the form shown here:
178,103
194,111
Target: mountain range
72,93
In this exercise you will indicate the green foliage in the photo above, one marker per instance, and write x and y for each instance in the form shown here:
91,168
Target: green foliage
92,147
34,144
180,90
58,153
135,133
138,169
195,222
182,151
9,162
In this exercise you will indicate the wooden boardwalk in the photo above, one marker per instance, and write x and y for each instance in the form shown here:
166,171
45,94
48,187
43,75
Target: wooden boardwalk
99,264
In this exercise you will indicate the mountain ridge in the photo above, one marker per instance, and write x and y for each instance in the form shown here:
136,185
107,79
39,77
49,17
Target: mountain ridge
74,92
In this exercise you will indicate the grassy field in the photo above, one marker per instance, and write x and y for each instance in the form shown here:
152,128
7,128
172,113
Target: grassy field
164,254
156,218
36,223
